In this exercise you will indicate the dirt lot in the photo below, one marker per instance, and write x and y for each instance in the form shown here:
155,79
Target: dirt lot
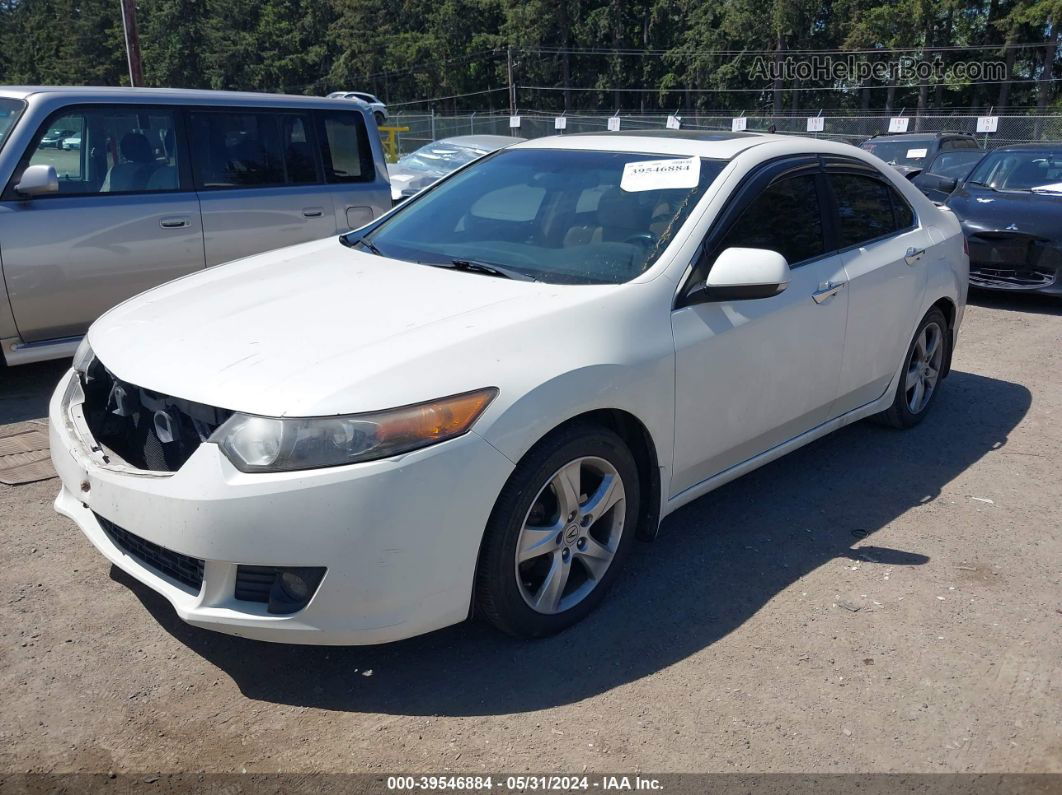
763,632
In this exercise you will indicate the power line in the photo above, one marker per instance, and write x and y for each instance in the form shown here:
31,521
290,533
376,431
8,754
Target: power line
769,88
451,96
773,52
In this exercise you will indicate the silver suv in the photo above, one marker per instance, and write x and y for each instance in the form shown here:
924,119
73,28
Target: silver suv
162,183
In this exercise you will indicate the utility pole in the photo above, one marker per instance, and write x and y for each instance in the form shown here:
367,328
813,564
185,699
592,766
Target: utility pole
512,87
132,43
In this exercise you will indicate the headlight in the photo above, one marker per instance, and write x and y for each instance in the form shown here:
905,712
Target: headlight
267,444
83,356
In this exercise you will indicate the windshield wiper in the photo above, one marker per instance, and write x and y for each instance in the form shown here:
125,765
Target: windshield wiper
475,266
365,242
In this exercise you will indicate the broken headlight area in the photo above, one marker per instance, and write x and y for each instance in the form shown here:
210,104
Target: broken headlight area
147,430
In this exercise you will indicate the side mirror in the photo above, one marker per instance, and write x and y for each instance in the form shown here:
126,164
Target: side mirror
37,181
739,274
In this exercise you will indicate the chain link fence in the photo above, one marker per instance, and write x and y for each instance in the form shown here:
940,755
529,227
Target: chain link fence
425,128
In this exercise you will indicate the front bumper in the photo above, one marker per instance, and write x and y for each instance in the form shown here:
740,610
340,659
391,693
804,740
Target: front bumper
399,537
1014,263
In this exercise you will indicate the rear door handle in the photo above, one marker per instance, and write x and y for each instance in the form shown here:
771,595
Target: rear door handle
313,212
913,255
173,223
827,290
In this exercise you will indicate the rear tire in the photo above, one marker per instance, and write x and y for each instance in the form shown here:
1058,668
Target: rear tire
559,532
923,370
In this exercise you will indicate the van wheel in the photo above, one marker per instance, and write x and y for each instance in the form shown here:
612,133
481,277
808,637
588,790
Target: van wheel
920,378
558,533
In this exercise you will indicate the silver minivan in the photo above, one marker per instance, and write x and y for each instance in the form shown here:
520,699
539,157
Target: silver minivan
107,192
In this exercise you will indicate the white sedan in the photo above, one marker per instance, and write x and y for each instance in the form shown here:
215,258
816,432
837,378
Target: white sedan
475,404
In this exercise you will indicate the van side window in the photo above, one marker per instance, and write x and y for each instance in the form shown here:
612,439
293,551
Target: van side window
345,147
102,149
251,150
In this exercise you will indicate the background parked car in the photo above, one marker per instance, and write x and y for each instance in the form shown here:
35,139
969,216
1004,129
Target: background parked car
417,170
379,109
909,153
947,170
154,185
1010,208
54,139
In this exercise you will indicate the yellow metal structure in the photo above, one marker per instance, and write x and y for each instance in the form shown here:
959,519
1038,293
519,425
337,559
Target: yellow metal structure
389,137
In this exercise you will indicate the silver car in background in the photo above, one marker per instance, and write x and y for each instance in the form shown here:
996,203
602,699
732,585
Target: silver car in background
151,184
419,169
379,109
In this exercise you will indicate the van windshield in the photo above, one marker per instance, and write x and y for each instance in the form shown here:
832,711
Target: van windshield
553,215
10,110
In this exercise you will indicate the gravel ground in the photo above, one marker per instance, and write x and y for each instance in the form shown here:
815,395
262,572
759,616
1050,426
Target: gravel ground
878,601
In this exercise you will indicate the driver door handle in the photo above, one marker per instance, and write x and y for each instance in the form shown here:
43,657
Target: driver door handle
913,255
827,290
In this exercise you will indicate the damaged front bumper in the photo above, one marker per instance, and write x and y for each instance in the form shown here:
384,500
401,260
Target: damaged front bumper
1014,262
399,537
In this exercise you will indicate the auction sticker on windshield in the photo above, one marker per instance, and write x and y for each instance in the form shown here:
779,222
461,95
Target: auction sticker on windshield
684,172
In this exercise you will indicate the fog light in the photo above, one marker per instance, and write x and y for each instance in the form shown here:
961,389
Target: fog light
293,588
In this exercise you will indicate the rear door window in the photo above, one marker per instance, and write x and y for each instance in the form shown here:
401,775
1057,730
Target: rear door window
345,148
865,209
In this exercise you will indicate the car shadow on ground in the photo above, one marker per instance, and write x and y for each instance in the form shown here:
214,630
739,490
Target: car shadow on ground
25,390
719,560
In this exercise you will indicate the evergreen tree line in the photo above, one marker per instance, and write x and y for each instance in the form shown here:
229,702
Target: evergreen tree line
631,55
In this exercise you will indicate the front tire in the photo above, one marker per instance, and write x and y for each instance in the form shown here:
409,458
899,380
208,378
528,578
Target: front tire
559,532
921,374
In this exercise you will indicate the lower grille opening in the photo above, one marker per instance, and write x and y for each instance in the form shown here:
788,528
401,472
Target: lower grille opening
183,568
990,276
253,583
284,589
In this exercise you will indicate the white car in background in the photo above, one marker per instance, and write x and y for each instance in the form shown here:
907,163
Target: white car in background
495,387
420,168
379,109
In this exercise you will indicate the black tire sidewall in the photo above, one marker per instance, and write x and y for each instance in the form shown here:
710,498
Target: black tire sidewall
498,593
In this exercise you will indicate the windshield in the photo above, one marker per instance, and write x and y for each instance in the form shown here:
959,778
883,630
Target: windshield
560,216
955,164
10,110
1023,171
900,153
440,157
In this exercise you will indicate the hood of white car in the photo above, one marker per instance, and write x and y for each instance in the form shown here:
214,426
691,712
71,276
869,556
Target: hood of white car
321,329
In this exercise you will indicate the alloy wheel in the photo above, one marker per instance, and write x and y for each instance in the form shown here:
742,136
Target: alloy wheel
570,535
923,368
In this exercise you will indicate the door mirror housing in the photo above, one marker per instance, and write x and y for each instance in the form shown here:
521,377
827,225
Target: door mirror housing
935,182
38,180
740,274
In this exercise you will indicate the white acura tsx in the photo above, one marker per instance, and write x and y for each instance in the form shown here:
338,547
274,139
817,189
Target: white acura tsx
475,404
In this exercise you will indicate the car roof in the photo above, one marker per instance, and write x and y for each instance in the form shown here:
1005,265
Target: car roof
921,135
482,141
700,143
1053,146
177,95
